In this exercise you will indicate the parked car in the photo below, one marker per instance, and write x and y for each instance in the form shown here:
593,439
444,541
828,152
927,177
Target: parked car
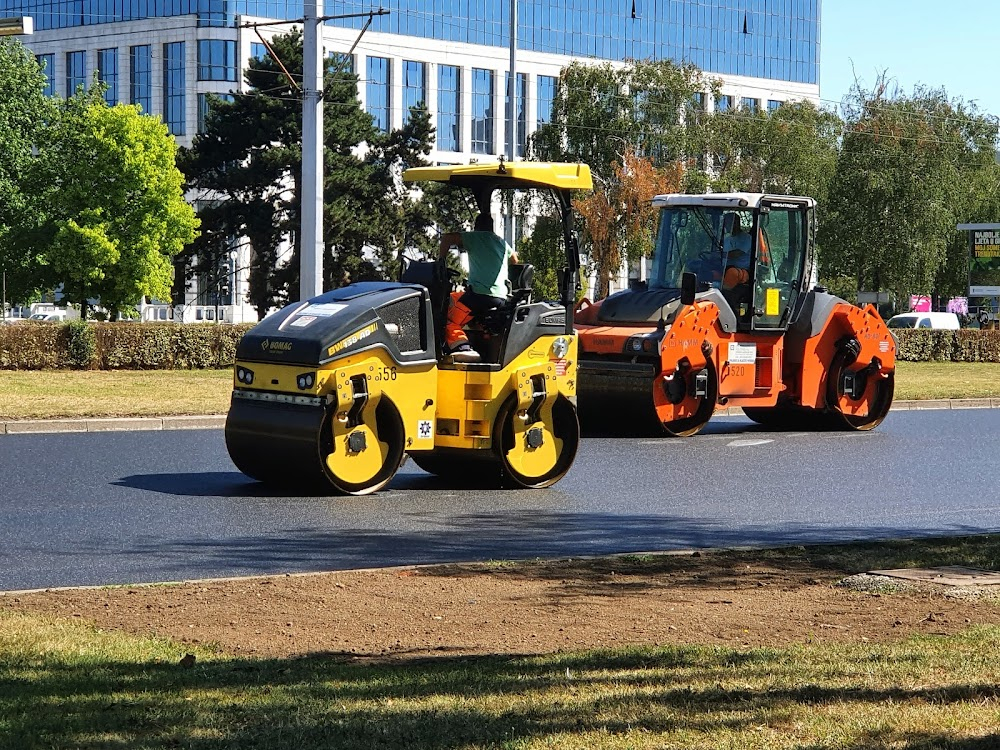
941,320
52,317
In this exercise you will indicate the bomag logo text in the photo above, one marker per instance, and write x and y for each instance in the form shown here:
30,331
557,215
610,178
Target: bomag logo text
276,346
354,338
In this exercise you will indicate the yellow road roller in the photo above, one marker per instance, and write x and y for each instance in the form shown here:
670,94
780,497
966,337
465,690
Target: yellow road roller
336,390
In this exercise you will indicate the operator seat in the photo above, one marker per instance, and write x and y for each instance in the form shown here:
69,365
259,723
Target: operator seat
435,276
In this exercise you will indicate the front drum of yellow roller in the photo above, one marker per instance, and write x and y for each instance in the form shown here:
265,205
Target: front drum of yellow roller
361,459
538,454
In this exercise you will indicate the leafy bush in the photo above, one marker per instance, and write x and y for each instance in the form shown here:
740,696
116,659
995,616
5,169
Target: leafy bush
964,345
33,346
81,346
118,346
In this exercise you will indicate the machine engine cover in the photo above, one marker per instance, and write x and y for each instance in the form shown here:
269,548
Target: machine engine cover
345,320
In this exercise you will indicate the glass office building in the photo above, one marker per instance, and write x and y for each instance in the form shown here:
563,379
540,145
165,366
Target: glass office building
448,56
776,39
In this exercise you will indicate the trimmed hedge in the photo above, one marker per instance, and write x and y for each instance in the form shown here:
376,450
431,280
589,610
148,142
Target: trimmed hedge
964,345
175,346
118,346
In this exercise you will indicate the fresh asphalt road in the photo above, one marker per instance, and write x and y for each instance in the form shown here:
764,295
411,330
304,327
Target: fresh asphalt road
129,507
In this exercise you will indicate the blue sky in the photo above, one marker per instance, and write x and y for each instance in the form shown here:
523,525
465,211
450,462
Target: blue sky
947,43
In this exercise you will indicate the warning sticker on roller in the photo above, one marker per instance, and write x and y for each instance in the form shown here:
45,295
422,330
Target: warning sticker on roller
302,321
322,310
425,429
742,354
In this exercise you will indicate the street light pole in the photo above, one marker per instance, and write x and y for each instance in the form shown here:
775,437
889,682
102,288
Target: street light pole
311,186
311,251
512,117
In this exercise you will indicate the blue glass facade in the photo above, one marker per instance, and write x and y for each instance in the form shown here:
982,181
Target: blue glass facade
107,71
141,77
449,111
76,71
546,95
48,63
216,60
483,125
414,87
174,98
777,39
519,113
377,92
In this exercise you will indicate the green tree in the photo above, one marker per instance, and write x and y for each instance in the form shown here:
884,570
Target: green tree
23,110
653,107
247,165
791,150
908,172
635,126
111,201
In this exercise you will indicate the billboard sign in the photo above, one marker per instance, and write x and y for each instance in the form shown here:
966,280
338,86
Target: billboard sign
984,262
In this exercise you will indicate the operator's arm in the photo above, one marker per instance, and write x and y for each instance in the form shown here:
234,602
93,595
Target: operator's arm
450,240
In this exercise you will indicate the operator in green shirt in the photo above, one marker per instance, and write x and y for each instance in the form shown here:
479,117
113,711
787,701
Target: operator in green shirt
488,259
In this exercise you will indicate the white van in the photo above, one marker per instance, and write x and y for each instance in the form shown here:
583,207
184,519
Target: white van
941,320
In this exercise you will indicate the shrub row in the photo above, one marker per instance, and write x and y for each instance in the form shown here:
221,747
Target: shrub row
965,345
168,346
118,346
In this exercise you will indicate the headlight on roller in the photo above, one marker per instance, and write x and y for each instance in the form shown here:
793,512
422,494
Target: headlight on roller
645,344
305,381
244,375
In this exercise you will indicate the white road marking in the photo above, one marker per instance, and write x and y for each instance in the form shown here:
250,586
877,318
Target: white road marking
747,442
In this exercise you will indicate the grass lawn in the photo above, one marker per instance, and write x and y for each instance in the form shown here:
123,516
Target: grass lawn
30,394
928,380
64,685
26,394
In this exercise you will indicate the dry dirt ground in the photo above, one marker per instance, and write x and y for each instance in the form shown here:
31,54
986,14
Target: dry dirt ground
733,599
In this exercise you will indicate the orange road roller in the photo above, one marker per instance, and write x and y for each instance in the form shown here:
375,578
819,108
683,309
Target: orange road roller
730,316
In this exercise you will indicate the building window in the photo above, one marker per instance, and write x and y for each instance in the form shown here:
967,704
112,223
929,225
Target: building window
449,114
76,71
546,98
173,87
482,111
258,50
749,104
519,114
48,66
724,103
141,78
341,62
773,104
107,71
377,92
216,60
414,87
206,102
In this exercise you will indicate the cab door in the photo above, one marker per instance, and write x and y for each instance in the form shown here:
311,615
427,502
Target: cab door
782,235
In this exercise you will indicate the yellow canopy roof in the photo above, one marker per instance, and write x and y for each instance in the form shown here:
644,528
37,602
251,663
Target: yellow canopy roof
525,174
